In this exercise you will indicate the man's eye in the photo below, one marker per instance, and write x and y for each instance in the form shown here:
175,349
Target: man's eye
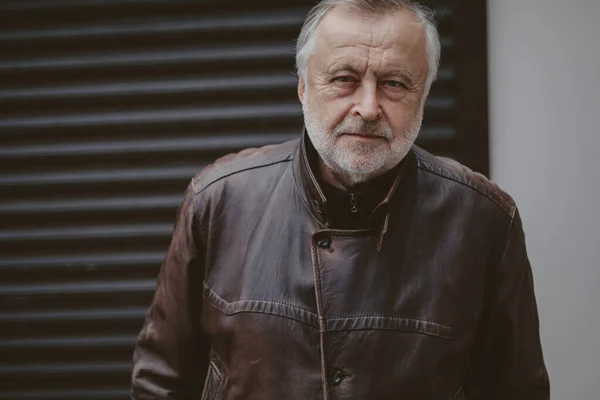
394,84
345,79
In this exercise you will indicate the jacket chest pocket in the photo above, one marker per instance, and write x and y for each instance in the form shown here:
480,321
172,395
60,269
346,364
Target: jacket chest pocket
212,385
459,394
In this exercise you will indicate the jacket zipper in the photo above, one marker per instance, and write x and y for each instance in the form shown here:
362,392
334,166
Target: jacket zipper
353,203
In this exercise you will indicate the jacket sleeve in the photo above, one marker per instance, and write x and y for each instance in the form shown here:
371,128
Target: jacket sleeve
507,357
170,359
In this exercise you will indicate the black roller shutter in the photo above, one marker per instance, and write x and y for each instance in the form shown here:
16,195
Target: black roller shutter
107,108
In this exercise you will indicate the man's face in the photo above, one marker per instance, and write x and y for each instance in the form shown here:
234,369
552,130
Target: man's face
364,91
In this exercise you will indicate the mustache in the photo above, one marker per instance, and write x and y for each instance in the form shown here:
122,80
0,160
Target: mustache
376,128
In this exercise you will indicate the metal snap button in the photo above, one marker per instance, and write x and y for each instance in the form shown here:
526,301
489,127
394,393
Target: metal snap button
325,243
336,377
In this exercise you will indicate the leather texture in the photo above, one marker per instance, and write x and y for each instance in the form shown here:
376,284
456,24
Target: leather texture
258,298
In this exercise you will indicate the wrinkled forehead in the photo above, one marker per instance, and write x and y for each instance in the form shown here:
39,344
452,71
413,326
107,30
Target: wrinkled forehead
397,36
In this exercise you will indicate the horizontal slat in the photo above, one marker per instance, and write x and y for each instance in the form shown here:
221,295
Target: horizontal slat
267,20
49,4
67,342
83,261
104,205
126,175
437,133
26,394
153,58
162,146
74,4
156,116
76,268
79,369
440,5
153,87
135,286
88,232
102,314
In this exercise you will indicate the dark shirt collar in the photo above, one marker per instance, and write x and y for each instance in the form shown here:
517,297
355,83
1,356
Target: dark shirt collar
351,209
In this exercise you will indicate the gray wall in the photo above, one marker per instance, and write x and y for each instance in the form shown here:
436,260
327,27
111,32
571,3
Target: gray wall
545,144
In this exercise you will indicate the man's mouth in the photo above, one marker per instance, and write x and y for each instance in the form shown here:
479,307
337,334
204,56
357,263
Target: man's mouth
365,136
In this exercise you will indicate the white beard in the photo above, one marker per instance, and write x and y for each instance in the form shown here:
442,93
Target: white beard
354,163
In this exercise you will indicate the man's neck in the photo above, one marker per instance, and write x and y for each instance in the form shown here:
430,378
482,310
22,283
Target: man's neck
328,176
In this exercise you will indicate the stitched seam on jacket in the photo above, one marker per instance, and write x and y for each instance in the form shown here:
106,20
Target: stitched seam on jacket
394,329
220,174
303,200
506,244
259,301
368,318
275,314
383,317
318,282
508,209
279,309
390,323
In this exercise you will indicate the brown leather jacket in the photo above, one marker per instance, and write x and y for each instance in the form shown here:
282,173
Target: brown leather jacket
258,299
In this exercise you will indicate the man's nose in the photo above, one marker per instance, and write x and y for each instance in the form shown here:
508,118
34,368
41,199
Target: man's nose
367,103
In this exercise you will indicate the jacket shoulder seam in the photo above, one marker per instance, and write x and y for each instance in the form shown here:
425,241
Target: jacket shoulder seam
446,172
216,171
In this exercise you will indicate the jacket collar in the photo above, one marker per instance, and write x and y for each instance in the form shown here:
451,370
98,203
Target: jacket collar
315,200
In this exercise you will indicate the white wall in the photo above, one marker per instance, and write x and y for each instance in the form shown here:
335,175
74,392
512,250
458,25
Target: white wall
545,151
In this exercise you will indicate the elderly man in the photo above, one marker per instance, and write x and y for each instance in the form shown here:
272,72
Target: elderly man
347,264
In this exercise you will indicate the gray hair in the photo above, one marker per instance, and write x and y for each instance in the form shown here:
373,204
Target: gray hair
306,40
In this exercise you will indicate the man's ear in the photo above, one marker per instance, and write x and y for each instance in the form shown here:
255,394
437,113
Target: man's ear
301,89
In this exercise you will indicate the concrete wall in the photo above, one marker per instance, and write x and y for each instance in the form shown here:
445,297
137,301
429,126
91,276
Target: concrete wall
545,151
